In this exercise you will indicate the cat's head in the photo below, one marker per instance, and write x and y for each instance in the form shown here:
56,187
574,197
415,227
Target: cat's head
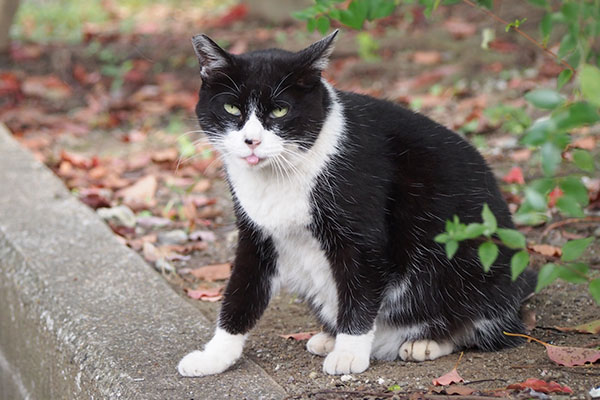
263,108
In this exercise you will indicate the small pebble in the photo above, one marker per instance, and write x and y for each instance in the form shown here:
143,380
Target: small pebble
346,378
163,265
177,236
120,215
313,375
381,381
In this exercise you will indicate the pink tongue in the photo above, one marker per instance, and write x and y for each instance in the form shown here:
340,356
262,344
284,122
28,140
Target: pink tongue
252,159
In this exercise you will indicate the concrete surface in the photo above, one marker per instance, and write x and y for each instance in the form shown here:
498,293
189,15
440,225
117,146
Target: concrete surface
81,315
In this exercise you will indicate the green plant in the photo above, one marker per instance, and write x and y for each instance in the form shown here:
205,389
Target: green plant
549,136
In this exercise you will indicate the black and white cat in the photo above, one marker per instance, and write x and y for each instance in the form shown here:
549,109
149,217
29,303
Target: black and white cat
338,197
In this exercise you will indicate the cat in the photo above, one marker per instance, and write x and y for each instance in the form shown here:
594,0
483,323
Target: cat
338,197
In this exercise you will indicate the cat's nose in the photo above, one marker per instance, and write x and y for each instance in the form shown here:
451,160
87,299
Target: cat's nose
252,143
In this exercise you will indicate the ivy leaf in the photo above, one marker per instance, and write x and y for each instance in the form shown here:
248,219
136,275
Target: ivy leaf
584,160
573,249
590,83
488,252
546,99
511,238
546,276
518,263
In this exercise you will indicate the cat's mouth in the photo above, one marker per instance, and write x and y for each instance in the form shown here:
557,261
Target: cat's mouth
253,159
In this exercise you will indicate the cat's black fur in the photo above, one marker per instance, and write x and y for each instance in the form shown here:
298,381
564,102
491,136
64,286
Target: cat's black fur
376,206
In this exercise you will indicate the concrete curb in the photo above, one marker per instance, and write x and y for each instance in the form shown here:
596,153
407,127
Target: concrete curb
81,315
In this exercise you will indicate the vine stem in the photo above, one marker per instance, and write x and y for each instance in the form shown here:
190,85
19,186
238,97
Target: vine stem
525,35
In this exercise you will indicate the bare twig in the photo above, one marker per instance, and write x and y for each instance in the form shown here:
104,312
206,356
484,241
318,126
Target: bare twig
525,35
586,220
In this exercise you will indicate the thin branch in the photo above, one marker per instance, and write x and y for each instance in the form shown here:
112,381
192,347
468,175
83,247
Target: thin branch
525,35
569,221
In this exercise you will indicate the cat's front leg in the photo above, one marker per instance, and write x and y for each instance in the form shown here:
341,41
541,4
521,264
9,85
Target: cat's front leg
350,354
246,297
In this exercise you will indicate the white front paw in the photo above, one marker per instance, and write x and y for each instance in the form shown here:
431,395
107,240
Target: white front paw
321,344
345,362
200,363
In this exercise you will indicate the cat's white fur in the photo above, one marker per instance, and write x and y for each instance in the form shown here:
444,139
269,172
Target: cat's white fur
276,196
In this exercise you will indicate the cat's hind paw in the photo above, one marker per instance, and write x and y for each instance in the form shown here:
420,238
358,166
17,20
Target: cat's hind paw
321,344
421,350
340,362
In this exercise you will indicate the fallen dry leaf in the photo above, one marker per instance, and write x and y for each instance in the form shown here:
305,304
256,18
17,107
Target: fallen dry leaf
528,317
459,28
206,294
299,336
515,175
459,390
586,142
546,250
589,327
540,386
165,155
567,356
140,194
210,273
448,378
427,57
521,155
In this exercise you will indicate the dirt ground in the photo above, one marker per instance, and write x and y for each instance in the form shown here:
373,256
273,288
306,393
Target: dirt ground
433,66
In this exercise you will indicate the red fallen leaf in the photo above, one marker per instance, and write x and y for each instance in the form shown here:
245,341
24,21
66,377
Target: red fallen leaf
9,84
503,46
215,272
541,386
567,356
589,327
47,87
572,356
459,28
427,57
586,142
95,198
165,155
554,195
208,294
515,175
448,378
546,250
299,336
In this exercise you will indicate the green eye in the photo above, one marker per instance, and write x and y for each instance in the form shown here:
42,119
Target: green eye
279,112
231,109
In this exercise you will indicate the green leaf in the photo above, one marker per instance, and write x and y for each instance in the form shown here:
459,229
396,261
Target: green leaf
442,238
546,276
569,206
489,4
489,220
451,247
323,25
546,99
573,249
530,218
518,263
381,8
540,3
551,158
474,230
574,273
572,186
511,238
488,252
575,115
583,159
539,131
311,24
570,11
590,83
567,45
546,27
595,290
564,77
535,199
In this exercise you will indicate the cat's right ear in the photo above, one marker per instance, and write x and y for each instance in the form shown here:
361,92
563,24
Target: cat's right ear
210,55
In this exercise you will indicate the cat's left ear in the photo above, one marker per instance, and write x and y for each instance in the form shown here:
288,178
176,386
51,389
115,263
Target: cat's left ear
210,55
316,56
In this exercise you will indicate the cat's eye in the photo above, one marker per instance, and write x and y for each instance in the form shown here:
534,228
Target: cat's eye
231,109
278,112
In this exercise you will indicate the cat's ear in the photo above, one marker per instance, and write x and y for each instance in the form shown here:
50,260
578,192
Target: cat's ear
210,55
316,56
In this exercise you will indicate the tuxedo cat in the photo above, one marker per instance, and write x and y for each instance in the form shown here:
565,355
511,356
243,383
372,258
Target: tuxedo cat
338,197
